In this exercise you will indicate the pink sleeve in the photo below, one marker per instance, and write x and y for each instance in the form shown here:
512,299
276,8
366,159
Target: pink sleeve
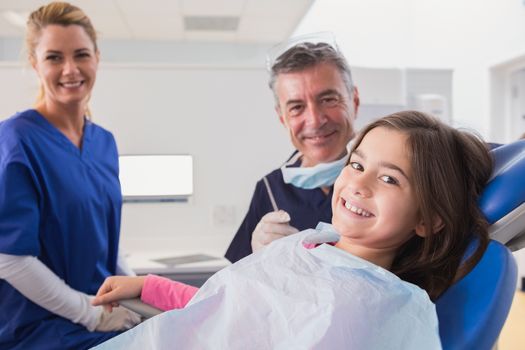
166,294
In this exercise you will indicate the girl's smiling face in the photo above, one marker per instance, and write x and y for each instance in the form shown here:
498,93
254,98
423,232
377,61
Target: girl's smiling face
374,205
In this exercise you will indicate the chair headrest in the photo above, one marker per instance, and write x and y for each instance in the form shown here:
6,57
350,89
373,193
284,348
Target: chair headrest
503,199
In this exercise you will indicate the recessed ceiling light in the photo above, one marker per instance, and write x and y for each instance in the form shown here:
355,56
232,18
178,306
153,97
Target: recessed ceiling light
213,23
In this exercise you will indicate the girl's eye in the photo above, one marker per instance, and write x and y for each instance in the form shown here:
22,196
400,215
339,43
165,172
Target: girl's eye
356,166
389,180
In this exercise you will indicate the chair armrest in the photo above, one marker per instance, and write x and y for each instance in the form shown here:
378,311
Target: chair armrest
143,309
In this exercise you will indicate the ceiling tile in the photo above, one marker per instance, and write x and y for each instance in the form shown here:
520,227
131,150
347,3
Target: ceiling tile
160,22
21,5
212,7
157,7
172,30
262,21
269,30
269,8
106,17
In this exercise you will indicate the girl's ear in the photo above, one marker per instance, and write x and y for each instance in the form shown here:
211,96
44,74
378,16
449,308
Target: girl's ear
421,227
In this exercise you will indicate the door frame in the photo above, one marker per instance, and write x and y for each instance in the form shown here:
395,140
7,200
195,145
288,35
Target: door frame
500,99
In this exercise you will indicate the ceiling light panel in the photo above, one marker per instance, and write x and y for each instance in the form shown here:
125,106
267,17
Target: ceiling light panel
211,23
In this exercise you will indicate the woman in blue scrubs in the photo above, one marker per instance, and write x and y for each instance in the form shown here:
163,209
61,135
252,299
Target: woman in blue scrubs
60,200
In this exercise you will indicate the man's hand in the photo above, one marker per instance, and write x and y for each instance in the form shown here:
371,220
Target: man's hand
272,226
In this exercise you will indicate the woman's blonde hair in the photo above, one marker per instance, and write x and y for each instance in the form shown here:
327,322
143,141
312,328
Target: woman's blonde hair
60,13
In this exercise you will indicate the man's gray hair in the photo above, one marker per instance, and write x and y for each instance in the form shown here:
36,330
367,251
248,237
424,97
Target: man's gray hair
305,55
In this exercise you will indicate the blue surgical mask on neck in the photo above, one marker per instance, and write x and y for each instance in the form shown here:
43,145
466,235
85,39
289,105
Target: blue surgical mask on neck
320,175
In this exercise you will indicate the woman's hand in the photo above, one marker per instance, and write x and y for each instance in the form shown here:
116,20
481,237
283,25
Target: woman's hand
116,288
120,319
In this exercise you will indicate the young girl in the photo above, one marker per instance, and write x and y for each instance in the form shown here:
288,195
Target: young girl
404,209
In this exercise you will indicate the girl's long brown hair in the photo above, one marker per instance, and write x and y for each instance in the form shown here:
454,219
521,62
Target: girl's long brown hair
450,169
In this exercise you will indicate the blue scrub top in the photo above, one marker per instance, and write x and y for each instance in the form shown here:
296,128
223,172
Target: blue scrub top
61,204
306,209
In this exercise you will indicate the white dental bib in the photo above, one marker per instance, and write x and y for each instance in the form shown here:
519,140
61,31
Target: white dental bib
288,297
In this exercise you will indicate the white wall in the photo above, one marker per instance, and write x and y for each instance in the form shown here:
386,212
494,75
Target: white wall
222,116
467,36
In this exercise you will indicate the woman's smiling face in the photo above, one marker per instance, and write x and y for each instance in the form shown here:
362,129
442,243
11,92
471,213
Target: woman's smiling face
66,62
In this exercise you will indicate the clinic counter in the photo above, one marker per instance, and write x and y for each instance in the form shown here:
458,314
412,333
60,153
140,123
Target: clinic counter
193,267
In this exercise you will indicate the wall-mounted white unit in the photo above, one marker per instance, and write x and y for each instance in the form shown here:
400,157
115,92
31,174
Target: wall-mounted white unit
156,177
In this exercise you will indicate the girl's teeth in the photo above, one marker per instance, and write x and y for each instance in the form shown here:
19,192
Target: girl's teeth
356,210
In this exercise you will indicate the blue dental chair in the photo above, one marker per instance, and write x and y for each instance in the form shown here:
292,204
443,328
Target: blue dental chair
472,311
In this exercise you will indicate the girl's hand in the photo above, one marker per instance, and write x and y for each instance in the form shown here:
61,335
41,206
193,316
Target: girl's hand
116,288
